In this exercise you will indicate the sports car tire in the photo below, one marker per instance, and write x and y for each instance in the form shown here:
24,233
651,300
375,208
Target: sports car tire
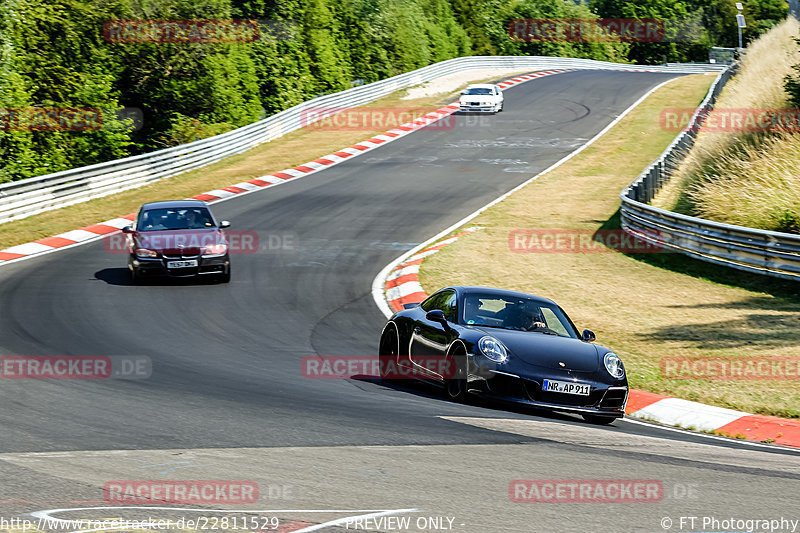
387,353
225,278
456,386
596,419
136,278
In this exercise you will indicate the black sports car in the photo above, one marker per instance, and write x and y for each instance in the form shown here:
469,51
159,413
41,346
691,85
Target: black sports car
510,345
178,238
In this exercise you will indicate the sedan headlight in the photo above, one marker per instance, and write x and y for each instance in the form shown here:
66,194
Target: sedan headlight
614,365
493,349
144,252
215,249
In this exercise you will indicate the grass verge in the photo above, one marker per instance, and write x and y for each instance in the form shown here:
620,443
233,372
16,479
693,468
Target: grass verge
746,177
644,306
290,150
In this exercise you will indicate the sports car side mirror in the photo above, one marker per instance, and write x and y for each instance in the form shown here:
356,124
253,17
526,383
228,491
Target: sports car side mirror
127,229
224,224
588,335
436,315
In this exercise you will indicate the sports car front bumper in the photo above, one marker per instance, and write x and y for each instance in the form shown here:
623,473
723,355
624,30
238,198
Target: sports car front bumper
605,400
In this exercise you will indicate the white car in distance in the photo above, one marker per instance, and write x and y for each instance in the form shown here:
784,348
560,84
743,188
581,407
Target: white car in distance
481,98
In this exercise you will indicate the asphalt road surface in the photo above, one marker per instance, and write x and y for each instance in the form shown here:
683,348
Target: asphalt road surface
227,400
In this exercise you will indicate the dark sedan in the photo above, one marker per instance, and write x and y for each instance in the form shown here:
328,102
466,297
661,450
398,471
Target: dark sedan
179,238
513,346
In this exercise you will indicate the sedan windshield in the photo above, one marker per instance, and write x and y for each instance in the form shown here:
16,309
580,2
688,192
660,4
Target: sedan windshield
478,90
522,314
175,219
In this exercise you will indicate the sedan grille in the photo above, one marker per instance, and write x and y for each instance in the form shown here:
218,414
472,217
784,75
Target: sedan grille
181,253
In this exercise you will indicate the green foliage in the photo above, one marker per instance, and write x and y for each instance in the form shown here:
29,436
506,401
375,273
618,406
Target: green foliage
792,84
54,54
558,9
692,26
185,129
787,221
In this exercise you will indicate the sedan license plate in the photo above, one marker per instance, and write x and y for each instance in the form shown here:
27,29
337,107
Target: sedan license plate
566,387
182,264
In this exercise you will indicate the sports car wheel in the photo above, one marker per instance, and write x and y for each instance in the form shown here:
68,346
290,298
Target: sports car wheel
387,353
136,278
226,277
596,419
456,386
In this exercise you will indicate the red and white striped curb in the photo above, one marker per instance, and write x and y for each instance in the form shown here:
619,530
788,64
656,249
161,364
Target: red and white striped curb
718,420
402,286
95,231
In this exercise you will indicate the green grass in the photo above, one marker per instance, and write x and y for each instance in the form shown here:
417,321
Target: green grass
288,151
740,177
644,306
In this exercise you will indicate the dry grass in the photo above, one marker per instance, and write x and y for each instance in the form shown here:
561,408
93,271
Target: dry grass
746,178
291,150
644,306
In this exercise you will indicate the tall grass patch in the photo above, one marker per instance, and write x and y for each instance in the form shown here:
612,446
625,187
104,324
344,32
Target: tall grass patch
748,178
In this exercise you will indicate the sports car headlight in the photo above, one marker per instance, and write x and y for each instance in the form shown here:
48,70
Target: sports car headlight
614,365
144,252
493,349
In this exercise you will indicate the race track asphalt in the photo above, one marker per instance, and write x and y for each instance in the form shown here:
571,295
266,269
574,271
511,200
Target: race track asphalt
226,359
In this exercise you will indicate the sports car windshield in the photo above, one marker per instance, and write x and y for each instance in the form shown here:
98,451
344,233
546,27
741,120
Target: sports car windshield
478,91
175,219
522,314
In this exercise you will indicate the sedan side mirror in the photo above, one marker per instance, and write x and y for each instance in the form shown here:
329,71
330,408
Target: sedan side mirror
588,335
436,315
224,224
127,229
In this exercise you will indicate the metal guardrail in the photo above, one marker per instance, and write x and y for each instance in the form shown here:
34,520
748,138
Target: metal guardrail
752,250
19,199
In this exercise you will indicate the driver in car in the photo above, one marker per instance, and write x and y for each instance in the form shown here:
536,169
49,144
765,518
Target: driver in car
151,221
524,318
532,321
195,220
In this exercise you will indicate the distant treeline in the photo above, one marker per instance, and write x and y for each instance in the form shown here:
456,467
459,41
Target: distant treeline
54,54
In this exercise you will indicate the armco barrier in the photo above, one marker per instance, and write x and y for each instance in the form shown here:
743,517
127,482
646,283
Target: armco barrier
759,251
23,198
